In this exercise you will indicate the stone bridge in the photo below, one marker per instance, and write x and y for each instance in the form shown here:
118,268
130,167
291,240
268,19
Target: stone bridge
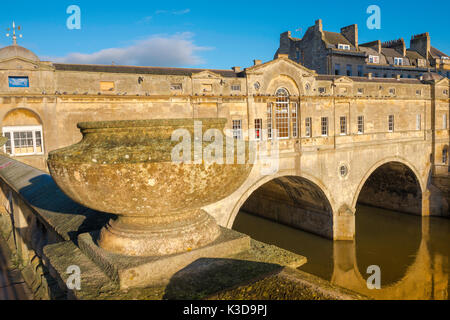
317,190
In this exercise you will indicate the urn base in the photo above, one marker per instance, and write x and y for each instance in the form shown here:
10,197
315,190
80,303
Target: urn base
150,236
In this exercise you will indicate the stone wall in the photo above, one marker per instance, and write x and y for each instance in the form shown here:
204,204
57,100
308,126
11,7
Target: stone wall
34,214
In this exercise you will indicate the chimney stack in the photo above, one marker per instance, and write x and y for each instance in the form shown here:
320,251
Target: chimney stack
256,62
236,69
351,34
319,25
422,44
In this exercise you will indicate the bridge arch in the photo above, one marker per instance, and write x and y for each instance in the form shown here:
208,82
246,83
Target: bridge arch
310,204
383,163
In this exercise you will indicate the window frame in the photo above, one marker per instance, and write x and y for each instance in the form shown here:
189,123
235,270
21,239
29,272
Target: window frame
17,129
343,125
324,123
360,124
391,123
374,59
237,130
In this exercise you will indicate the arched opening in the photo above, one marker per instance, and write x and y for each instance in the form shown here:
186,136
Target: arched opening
392,186
291,212
384,235
23,130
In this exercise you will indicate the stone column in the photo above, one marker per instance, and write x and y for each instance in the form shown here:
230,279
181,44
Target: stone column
344,224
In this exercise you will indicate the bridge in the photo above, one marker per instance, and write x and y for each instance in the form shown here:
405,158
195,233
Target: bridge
322,176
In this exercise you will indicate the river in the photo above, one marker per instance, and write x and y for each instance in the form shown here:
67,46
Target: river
412,252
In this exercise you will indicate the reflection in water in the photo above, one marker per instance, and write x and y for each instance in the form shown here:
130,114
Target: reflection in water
412,252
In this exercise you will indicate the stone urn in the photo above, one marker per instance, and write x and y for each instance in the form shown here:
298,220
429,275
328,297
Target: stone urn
126,168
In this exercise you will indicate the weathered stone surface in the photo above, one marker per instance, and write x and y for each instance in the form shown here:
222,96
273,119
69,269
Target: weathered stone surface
144,271
126,168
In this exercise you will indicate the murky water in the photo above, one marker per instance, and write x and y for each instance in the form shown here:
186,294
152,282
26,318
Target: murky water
412,252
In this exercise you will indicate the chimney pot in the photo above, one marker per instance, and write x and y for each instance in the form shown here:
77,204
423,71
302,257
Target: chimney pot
236,69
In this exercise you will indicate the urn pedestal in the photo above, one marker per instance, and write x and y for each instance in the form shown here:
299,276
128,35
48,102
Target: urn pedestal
127,168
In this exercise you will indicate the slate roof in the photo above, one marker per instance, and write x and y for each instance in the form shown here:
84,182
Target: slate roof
436,53
141,70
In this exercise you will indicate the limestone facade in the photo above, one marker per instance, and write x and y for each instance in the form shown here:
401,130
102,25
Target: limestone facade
334,131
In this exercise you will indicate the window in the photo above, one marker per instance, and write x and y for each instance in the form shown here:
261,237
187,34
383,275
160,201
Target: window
360,71
294,120
258,127
337,69
392,91
26,140
418,92
176,87
269,121
237,129
444,155
445,92
391,123
107,85
308,127
324,122
349,70
235,87
444,121
418,122
322,90
374,59
360,124
282,113
360,90
18,82
398,61
343,46
343,125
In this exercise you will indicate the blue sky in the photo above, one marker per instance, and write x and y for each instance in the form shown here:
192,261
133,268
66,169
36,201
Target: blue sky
204,34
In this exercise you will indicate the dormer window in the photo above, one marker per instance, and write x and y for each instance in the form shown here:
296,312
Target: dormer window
421,63
398,61
343,46
445,58
374,59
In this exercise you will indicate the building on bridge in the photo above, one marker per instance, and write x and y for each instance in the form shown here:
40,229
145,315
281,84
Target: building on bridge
341,54
342,139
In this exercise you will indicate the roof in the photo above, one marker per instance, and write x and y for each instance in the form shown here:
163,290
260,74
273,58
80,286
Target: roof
389,52
141,70
412,54
15,51
436,53
335,38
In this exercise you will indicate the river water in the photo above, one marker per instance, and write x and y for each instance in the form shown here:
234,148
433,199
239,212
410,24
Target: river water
412,252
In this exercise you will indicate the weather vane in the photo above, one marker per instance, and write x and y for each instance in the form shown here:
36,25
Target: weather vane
13,33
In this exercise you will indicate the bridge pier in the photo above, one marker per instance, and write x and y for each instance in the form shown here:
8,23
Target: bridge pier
344,224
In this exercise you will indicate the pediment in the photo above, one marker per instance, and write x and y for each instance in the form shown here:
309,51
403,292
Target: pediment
443,82
206,74
19,63
281,62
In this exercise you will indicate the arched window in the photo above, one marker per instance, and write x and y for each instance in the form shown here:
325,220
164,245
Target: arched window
282,113
23,129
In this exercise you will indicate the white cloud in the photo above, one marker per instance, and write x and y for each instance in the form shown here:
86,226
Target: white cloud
173,51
